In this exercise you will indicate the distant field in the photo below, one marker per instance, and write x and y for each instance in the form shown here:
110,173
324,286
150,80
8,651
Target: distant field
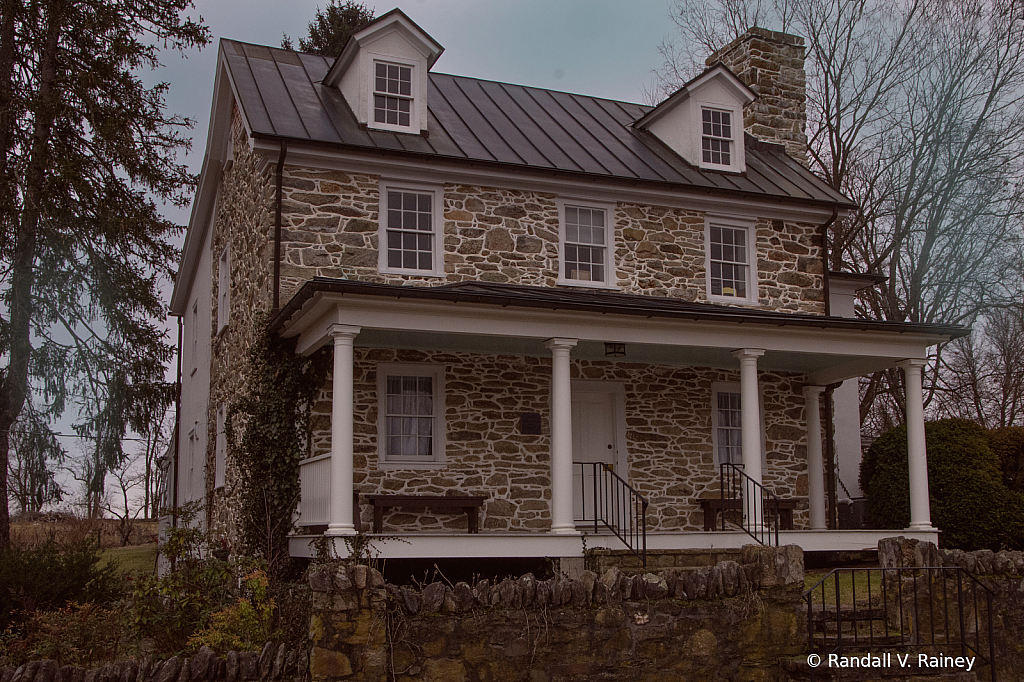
63,528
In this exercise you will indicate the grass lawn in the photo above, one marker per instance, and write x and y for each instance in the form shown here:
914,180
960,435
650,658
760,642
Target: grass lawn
134,559
848,581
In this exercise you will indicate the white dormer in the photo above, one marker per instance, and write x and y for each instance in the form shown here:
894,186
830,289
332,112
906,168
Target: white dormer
382,73
703,120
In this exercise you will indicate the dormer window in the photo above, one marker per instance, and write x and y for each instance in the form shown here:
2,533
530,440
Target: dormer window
717,137
392,94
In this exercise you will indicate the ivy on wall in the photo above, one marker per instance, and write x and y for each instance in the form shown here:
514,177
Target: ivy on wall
268,435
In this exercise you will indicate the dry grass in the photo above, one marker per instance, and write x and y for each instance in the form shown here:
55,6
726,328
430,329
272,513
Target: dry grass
68,529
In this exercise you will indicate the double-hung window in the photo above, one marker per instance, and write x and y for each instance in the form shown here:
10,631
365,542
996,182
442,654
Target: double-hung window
392,95
728,434
716,137
726,424
586,244
223,288
410,233
730,260
411,414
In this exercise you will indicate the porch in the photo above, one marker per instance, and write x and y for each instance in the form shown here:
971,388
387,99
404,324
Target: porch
529,384
424,544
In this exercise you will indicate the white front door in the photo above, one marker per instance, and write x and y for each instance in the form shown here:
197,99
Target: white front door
593,440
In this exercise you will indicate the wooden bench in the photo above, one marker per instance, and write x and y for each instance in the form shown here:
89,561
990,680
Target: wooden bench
712,507
467,503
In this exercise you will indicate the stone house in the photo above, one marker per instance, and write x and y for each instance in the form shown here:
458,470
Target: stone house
564,305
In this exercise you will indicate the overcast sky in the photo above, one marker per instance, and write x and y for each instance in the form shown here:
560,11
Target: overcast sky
605,48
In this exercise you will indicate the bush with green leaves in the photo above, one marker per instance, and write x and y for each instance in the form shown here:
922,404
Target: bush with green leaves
243,625
969,502
1008,444
84,635
170,608
51,576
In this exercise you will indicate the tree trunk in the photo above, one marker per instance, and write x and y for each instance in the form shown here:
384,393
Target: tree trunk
14,388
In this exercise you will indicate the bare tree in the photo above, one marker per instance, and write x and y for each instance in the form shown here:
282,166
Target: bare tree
35,451
914,111
982,377
128,477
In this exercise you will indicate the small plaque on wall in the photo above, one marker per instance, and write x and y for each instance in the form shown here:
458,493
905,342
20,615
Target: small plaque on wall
529,423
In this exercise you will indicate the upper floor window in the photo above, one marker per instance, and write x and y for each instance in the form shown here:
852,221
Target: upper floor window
586,245
392,94
411,414
410,235
730,262
716,137
223,288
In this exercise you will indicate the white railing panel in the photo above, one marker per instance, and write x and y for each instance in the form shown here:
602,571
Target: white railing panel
315,487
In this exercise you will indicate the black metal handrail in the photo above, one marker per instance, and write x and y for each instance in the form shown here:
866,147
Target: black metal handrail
901,612
616,504
755,502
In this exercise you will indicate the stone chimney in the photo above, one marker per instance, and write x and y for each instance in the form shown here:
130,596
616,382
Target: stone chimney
772,65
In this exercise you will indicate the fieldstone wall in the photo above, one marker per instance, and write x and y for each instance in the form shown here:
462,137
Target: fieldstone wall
731,621
668,432
772,64
498,235
1002,572
245,221
274,662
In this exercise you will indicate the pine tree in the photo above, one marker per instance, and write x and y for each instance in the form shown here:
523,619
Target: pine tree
86,152
331,28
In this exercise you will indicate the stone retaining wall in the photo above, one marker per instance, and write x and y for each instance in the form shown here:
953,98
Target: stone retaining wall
729,622
275,662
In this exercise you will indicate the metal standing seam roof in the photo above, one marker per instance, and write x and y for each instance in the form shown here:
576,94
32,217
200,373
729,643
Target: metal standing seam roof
281,95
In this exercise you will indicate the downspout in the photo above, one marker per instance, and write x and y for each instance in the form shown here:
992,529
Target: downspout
830,460
277,228
177,433
826,289
832,520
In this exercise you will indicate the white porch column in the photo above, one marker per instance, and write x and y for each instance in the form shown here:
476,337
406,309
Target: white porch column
750,411
917,456
815,462
341,521
562,521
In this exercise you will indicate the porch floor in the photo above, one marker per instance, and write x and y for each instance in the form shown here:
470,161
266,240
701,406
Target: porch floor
459,544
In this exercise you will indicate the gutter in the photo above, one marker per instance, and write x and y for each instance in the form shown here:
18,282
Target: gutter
825,257
277,228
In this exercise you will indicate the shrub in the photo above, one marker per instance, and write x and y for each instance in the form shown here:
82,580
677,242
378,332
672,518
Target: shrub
969,502
1008,444
242,626
51,576
84,635
171,608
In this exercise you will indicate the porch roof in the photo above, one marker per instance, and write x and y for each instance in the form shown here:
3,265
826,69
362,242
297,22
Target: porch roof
596,301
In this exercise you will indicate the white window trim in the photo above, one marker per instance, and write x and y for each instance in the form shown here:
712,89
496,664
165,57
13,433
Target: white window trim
736,151
220,456
224,288
415,369
734,387
414,108
609,252
437,223
736,223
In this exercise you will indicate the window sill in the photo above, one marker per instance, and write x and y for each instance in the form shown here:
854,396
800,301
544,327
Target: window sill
752,303
391,466
588,284
411,273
